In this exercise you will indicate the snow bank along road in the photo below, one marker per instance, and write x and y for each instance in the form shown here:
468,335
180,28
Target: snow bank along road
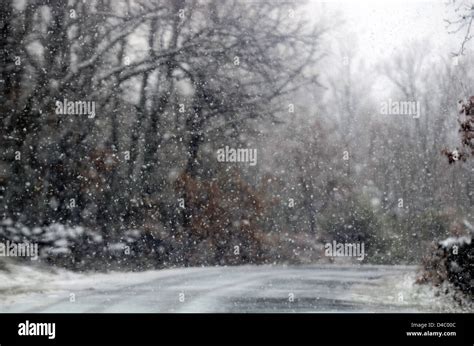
315,288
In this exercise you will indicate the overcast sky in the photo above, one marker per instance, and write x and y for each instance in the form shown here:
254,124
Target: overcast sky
384,26
377,29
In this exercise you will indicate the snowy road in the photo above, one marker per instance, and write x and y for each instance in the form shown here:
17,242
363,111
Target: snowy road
316,288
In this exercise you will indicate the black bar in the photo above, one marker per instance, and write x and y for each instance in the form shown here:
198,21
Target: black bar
313,329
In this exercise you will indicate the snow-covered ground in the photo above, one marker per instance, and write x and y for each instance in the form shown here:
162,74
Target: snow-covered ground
315,288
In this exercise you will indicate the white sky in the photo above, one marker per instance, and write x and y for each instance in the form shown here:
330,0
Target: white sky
384,26
375,30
